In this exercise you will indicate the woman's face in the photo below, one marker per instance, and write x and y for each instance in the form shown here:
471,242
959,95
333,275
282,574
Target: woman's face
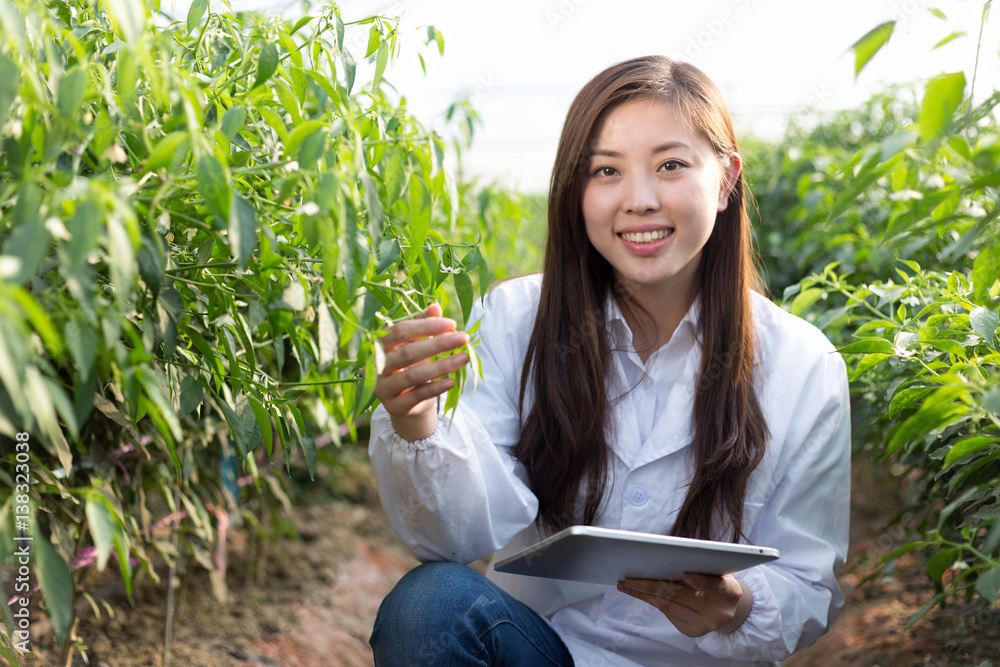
651,194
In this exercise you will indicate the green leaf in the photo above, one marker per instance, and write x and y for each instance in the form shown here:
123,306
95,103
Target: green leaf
267,64
103,527
263,423
896,143
340,33
942,96
831,316
327,338
984,322
388,253
28,242
213,184
232,121
252,435
81,339
10,80
941,561
306,442
234,417
419,201
313,147
985,272
991,401
463,288
952,36
906,398
166,148
366,388
484,278
857,183
374,39
242,229
866,47
56,582
949,346
195,14
963,448
988,584
127,79
293,297
992,538
39,319
439,38
304,21
192,395
938,411
299,134
868,362
380,61
130,18
395,176
350,69
868,346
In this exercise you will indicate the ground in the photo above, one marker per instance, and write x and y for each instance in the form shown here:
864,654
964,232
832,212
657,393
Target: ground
311,601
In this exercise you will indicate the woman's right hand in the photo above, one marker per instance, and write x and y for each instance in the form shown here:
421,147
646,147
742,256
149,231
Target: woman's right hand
409,383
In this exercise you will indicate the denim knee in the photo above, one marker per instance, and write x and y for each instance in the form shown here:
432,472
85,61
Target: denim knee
427,611
450,614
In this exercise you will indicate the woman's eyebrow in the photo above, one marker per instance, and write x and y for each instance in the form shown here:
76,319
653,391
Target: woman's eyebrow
669,146
661,148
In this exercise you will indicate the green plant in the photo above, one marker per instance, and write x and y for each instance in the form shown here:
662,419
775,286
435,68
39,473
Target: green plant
914,309
204,224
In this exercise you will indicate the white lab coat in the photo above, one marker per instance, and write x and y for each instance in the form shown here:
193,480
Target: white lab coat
459,495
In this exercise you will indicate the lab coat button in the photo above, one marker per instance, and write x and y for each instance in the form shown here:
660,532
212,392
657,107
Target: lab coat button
617,611
638,495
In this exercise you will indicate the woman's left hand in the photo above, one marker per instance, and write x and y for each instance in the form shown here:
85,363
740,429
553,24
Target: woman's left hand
697,605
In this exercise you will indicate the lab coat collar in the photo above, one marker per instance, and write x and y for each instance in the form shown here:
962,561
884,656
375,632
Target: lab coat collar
674,429
620,334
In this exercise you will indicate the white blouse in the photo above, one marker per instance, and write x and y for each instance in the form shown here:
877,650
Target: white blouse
459,495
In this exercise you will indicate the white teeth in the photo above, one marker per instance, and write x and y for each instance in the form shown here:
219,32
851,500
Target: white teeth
645,237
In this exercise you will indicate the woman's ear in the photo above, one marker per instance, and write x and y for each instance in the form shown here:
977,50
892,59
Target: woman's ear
731,169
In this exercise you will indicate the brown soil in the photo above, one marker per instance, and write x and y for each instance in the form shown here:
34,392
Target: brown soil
312,600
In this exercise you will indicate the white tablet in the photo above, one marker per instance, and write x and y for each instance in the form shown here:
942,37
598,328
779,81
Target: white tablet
607,556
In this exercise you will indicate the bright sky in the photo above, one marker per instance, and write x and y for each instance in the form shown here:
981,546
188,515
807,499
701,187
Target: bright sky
522,61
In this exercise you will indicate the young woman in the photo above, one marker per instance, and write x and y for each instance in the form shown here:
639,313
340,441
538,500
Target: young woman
638,383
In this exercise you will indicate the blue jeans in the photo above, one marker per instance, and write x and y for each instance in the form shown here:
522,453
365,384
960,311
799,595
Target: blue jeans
449,614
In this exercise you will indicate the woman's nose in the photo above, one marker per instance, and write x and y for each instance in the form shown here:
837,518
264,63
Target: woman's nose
640,195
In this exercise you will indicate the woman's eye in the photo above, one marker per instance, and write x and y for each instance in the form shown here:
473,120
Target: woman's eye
605,171
671,165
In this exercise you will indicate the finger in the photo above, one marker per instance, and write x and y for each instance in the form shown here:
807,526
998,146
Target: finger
702,609
410,330
659,587
688,621
419,351
409,401
648,598
389,386
433,310
709,584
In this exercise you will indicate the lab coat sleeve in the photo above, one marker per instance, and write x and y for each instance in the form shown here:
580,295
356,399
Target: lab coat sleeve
806,517
459,494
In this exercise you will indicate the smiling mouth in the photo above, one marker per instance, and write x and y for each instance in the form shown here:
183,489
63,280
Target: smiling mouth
645,237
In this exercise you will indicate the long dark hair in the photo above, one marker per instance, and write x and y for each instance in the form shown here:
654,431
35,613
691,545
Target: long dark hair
564,439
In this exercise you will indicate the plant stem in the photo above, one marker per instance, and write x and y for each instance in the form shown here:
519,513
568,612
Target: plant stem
169,621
